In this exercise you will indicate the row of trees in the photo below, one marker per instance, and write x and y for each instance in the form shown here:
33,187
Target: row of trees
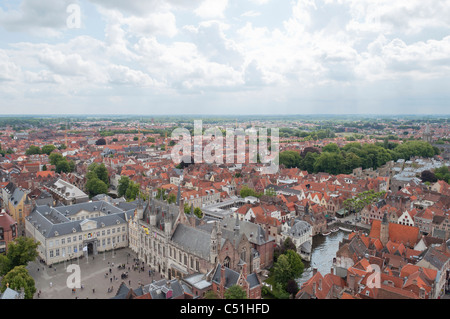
342,160
46,149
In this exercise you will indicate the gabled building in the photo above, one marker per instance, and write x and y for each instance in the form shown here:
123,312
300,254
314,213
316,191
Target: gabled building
8,231
223,278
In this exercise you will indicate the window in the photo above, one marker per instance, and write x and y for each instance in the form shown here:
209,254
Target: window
51,253
69,240
57,252
226,262
63,241
74,238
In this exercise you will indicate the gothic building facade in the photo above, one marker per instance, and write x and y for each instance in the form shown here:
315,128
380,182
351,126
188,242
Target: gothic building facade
177,244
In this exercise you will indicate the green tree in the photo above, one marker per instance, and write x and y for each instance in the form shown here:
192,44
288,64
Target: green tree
172,198
132,191
442,173
96,186
47,149
247,191
19,278
198,212
331,148
54,158
20,251
296,263
100,171
62,166
33,150
124,182
211,295
282,270
235,292
161,193
290,159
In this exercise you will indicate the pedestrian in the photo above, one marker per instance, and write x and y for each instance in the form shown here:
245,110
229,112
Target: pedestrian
110,279
129,282
51,284
93,290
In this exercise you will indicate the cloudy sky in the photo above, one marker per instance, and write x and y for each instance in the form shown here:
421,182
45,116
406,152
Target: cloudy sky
224,57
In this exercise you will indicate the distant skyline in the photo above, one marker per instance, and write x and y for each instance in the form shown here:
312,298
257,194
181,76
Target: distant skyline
224,57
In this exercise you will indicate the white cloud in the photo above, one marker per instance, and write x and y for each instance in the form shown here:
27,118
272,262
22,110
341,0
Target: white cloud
39,18
251,14
171,50
212,9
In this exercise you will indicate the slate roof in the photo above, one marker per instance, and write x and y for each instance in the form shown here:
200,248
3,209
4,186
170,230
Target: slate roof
56,219
231,277
193,240
159,289
17,196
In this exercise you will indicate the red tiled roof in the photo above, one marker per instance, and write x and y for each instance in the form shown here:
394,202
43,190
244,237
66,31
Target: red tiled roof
408,235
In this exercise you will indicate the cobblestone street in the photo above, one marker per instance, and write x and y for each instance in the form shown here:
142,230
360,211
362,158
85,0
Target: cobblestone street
95,274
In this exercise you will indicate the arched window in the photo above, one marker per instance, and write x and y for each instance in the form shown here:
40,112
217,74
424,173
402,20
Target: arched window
226,262
243,254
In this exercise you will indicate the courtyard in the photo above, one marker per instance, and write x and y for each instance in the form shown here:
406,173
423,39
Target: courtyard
100,276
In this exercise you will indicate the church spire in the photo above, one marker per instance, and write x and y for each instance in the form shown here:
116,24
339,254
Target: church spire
179,194
384,230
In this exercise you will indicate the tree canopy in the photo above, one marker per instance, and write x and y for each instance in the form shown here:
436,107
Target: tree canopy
20,251
342,160
235,292
18,278
97,179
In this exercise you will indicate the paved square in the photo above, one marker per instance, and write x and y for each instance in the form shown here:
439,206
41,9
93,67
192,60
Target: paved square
95,274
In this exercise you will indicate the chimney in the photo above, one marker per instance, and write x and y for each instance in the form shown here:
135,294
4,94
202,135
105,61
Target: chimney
314,271
332,271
